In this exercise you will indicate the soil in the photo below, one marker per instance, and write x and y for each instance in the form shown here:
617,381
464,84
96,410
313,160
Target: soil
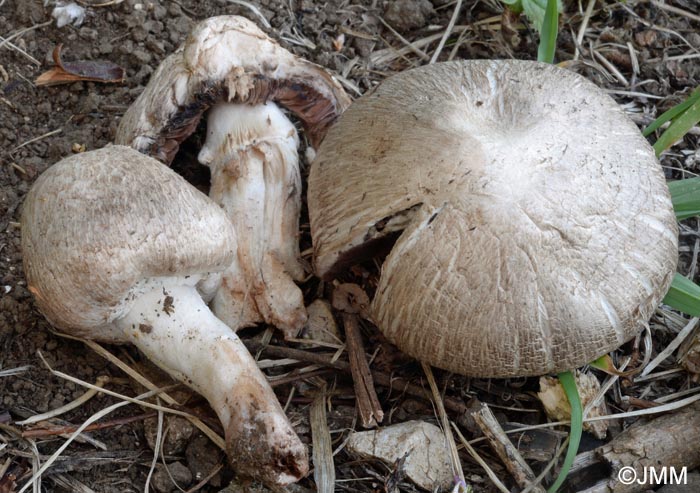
40,125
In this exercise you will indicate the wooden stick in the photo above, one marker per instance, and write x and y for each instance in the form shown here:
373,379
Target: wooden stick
383,379
505,449
368,404
324,468
670,441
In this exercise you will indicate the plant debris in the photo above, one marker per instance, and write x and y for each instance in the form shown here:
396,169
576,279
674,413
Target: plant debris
82,70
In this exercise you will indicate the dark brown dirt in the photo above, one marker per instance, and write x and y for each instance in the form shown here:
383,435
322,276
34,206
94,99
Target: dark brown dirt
40,125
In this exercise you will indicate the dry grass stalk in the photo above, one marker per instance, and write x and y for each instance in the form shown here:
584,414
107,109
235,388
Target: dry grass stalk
324,469
71,484
256,12
36,139
89,394
444,420
23,31
156,449
672,346
211,434
475,455
10,372
676,10
582,28
36,476
448,31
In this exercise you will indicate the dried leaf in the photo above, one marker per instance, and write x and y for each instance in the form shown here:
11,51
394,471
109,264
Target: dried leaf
351,298
82,70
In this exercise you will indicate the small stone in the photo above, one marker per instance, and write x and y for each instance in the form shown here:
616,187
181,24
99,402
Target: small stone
142,56
162,482
364,47
321,325
178,431
88,33
159,12
557,406
139,34
202,458
694,39
89,103
405,15
422,447
646,38
105,48
237,486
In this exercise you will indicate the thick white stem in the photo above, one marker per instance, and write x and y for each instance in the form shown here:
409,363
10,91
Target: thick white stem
252,153
174,328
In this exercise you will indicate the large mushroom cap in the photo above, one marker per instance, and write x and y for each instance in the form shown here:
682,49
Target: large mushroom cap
227,58
537,232
96,226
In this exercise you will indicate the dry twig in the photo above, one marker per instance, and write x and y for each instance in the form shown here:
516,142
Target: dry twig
367,401
324,469
505,449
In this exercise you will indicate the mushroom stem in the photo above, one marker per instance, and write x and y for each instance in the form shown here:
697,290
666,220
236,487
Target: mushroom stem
172,325
252,153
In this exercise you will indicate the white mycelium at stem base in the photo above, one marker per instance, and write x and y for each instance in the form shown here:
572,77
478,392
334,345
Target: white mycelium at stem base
252,153
171,324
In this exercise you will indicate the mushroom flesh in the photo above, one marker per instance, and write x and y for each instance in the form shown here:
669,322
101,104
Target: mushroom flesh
115,247
532,223
230,65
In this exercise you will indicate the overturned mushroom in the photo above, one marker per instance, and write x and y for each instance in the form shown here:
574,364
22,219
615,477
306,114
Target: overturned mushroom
115,248
535,230
228,64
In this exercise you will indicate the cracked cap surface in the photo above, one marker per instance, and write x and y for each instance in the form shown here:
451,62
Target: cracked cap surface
536,227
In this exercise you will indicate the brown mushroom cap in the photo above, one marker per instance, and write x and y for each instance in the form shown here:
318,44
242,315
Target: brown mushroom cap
536,228
227,58
84,267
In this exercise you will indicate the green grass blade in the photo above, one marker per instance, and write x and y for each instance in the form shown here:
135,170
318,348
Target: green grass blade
569,383
685,195
684,296
514,5
672,113
680,215
678,128
548,34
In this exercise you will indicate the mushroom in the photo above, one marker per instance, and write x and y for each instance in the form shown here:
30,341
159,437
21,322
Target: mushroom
115,247
533,227
230,65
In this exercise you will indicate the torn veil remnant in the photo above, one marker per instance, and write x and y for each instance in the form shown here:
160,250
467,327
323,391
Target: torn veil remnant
117,248
230,66
537,231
